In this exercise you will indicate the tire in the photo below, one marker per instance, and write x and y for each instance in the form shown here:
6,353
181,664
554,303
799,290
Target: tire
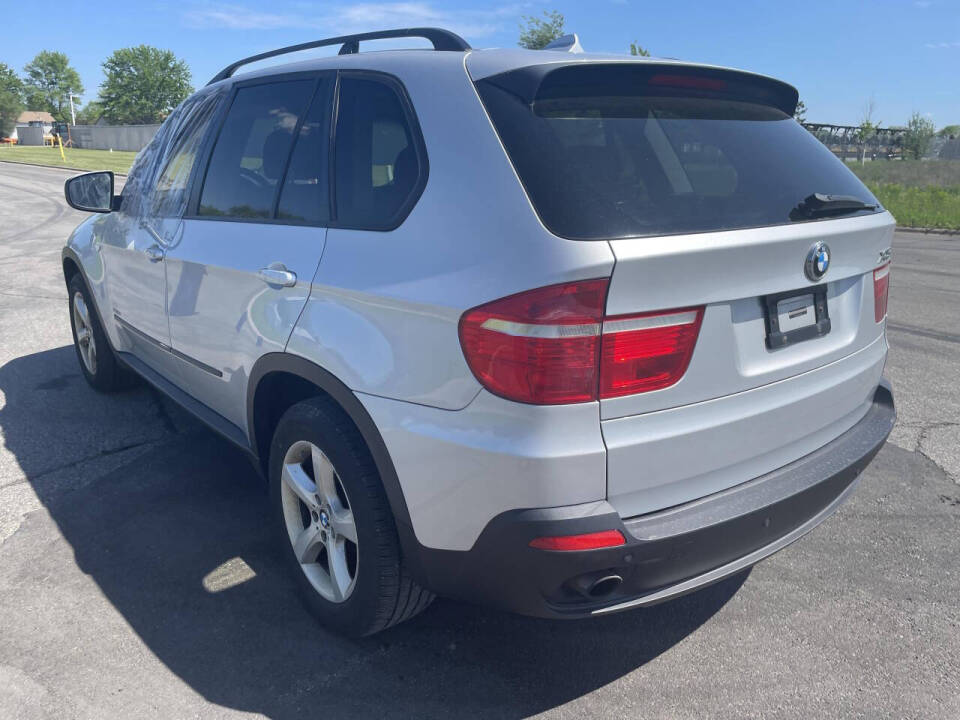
98,363
322,479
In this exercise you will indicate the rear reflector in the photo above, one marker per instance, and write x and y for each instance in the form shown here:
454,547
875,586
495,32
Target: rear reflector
587,541
553,345
881,288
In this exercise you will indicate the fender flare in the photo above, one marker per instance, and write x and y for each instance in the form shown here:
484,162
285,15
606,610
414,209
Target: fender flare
68,253
351,405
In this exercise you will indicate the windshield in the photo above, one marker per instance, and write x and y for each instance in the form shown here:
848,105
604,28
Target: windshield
617,151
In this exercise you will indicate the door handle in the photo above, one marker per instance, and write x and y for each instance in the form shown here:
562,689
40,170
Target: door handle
277,274
155,253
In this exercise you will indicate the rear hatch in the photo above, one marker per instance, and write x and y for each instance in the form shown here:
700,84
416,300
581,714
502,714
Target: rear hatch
712,198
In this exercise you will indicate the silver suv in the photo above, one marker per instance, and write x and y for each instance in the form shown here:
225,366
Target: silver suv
561,333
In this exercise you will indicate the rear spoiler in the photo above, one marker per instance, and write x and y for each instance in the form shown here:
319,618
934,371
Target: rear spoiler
566,43
647,78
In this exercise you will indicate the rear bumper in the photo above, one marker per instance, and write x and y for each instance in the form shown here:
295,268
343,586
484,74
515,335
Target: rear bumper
667,553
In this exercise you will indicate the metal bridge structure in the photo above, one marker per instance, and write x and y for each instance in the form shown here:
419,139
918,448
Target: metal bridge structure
847,141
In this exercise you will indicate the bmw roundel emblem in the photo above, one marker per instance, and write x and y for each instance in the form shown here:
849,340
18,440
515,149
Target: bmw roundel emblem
818,261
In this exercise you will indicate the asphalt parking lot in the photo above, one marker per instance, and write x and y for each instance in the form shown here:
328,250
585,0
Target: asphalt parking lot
137,579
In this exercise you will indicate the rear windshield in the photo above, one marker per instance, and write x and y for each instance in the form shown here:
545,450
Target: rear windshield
608,151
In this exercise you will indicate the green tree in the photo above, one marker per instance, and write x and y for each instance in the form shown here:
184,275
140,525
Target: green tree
143,84
916,140
11,99
866,130
950,131
50,81
89,113
635,49
800,114
537,33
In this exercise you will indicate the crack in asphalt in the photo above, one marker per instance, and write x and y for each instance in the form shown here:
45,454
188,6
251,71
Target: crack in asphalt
163,415
922,436
923,332
166,421
107,452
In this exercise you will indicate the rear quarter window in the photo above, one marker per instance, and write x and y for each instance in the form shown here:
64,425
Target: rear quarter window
379,161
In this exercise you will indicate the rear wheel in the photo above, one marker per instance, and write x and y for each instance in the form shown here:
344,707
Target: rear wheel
334,524
98,363
319,521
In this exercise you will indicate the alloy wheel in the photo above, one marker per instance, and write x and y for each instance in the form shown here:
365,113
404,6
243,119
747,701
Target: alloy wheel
84,333
319,521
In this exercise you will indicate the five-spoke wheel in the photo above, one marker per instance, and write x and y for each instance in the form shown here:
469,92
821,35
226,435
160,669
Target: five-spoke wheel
86,343
334,523
319,521
98,362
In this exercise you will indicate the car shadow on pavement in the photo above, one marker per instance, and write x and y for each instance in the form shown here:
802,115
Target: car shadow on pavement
176,539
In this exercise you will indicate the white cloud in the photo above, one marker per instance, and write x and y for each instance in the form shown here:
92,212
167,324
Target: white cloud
237,18
361,17
955,44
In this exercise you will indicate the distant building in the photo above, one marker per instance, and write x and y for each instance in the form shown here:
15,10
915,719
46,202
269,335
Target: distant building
34,118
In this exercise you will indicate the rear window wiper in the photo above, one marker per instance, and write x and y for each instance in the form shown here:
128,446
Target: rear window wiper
820,205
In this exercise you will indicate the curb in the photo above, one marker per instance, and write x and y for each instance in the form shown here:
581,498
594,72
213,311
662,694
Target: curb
928,231
54,167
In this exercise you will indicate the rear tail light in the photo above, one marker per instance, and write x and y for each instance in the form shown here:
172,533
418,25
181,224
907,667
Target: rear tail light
553,345
881,288
587,541
540,346
647,352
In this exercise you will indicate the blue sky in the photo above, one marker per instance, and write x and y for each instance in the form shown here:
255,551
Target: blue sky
903,53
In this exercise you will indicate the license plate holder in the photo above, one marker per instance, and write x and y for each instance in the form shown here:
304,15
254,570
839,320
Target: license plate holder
784,316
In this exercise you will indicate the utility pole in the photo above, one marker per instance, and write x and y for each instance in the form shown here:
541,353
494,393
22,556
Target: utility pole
73,115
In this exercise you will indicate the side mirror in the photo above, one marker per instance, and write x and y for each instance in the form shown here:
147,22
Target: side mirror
91,192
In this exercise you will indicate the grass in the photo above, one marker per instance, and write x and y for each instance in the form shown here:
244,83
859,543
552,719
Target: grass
909,173
919,193
77,159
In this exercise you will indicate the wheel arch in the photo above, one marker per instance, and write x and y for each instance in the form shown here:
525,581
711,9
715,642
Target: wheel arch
71,265
277,381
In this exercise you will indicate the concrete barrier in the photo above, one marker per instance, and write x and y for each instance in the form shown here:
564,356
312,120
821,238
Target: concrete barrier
112,137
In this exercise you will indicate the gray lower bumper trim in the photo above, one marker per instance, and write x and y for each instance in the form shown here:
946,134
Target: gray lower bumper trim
737,565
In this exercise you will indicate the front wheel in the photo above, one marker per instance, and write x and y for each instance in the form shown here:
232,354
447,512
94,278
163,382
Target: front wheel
334,525
97,360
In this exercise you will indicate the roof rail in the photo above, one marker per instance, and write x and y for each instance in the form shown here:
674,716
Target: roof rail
441,39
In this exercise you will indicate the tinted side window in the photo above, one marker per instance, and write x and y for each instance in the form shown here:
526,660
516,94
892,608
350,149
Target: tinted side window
377,164
305,196
251,152
173,150
171,192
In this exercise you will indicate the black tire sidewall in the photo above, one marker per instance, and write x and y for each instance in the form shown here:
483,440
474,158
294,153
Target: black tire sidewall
101,380
377,551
